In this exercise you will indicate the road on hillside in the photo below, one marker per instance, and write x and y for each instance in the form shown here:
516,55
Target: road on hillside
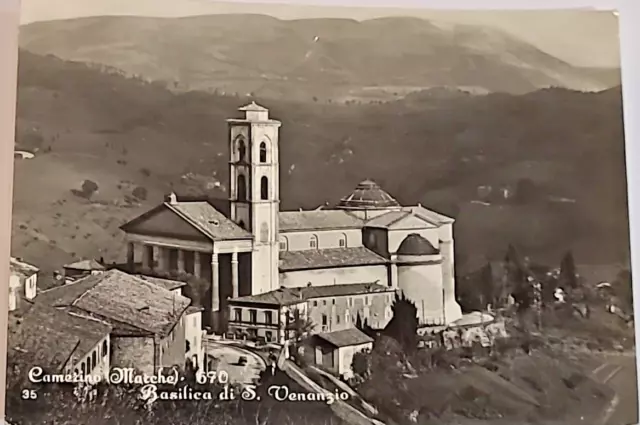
619,373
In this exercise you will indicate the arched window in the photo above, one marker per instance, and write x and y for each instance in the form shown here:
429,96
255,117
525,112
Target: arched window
242,188
284,243
94,359
242,151
83,367
264,188
263,152
342,242
313,241
104,348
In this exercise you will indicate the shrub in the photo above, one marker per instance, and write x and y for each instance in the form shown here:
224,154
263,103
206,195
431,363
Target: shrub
140,193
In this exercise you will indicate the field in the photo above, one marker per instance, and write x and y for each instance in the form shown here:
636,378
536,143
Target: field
124,133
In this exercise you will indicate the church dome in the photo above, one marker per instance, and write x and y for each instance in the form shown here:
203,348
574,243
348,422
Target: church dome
368,195
414,244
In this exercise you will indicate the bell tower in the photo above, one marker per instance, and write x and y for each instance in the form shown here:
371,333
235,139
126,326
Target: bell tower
254,188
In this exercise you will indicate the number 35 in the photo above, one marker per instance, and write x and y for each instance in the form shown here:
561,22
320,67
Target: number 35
29,394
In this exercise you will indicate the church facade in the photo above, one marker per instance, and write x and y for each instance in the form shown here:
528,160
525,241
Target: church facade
367,238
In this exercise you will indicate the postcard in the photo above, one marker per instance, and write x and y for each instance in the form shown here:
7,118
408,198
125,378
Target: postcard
282,214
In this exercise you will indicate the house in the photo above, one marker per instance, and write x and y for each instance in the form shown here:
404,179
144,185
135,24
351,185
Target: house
334,351
149,323
272,316
59,341
246,246
23,282
81,269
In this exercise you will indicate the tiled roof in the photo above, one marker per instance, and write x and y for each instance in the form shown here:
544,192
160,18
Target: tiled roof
368,195
328,258
21,268
346,338
50,336
86,265
127,302
167,284
208,220
290,296
429,215
318,220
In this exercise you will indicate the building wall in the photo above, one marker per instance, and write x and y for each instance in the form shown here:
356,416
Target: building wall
335,276
338,313
173,347
30,286
96,362
262,329
345,357
136,352
422,284
193,334
325,239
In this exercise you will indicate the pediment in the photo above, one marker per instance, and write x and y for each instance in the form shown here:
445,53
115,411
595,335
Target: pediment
162,221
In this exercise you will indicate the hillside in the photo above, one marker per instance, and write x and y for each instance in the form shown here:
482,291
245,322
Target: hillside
123,133
326,59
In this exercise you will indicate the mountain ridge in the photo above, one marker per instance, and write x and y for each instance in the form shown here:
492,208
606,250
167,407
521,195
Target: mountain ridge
331,59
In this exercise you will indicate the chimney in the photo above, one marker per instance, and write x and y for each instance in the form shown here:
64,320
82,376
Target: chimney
172,199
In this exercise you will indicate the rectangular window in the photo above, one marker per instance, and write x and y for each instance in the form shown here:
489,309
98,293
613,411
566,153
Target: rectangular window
283,246
333,301
324,302
337,319
366,300
324,320
238,315
315,303
253,316
268,317
350,302
343,243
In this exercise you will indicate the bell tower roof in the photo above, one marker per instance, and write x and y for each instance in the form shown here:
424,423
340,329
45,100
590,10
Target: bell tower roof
255,112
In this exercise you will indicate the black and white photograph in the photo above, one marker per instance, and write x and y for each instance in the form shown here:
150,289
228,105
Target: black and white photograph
277,214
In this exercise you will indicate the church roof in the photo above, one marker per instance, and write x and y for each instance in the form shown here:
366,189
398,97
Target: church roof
132,305
328,258
200,214
414,244
368,195
209,221
290,221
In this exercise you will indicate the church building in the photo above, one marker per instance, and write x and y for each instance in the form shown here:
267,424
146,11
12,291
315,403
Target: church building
367,238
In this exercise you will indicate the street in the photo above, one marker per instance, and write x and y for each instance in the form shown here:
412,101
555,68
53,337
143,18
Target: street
227,356
619,372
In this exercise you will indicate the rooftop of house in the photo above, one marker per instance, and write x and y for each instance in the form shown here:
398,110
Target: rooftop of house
345,338
85,265
130,304
328,258
48,337
292,296
168,284
22,269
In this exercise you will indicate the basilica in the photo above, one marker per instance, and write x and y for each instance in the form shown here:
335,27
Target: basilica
350,258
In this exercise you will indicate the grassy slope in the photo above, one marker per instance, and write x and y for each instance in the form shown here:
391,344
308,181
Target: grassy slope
272,57
110,129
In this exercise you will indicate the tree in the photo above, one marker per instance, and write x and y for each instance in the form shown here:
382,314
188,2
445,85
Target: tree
403,326
518,279
527,191
299,324
140,193
89,187
568,276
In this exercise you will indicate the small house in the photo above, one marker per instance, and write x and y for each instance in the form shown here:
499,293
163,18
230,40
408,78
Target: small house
81,269
334,351
23,282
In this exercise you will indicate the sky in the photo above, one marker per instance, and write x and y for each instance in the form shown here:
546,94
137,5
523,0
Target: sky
580,37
